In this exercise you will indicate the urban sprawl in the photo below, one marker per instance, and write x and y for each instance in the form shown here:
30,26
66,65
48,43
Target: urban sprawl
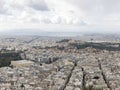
58,63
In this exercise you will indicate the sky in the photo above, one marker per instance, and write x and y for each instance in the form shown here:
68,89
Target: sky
60,15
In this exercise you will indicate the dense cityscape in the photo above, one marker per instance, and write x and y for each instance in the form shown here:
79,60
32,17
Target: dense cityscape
59,63
59,44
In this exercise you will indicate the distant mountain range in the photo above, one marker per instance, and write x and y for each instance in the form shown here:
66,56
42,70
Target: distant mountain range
54,33
39,32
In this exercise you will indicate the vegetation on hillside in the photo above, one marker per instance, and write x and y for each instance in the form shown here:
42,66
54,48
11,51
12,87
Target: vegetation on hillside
6,58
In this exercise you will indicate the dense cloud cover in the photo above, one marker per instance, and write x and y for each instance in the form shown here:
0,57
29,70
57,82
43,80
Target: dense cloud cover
65,12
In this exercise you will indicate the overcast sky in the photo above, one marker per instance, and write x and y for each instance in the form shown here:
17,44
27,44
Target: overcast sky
65,14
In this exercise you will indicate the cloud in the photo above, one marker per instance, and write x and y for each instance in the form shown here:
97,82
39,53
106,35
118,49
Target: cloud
97,6
98,11
63,12
38,11
38,5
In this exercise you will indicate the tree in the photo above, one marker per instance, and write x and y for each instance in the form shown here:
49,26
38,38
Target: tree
22,86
